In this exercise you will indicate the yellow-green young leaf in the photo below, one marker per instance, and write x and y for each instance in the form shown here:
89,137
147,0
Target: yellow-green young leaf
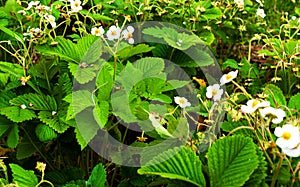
179,163
101,113
275,95
231,161
24,178
213,13
17,114
97,177
80,139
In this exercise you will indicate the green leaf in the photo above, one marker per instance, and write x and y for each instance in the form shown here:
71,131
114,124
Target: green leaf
35,102
17,114
104,83
81,100
295,102
82,75
80,139
230,63
149,66
174,84
45,133
275,95
231,161
4,125
13,136
56,122
25,149
213,13
163,132
68,50
24,178
207,37
101,113
179,163
97,177
260,173
12,69
130,50
13,34
249,70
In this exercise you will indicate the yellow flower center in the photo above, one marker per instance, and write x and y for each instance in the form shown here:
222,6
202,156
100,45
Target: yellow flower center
214,92
76,4
181,101
97,31
129,35
286,135
228,77
114,33
254,103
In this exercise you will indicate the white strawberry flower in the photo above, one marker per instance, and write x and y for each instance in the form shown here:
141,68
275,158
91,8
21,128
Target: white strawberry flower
228,77
288,136
75,5
214,92
260,12
295,152
253,105
97,31
240,3
51,20
182,102
276,115
32,4
128,34
113,33
23,106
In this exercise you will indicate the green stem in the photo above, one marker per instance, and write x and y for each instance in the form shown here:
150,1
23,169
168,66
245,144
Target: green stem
276,173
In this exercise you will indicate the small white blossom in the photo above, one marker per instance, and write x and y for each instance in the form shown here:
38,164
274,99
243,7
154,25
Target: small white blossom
214,92
253,105
228,77
295,152
53,113
75,5
32,4
288,136
23,106
260,3
240,3
182,102
128,34
260,12
294,17
22,12
51,20
113,33
97,31
32,32
277,115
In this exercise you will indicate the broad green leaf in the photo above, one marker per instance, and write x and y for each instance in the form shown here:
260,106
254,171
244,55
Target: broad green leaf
35,102
207,37
249,70
200,57
17,114
68,50
130,50
80,139
45,69
231,161
230,63
24,178
56,121
13,34
275,95
82,75
213,13
179,163
260,173
25,148
12,69
295,102
161,97
104,83
4,125
161,130
129,77
45,133
101,113
13,136
149,66
174,84
98,176
81,100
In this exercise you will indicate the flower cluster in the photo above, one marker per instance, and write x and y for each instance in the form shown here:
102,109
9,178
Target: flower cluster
214,91
288,139
114,33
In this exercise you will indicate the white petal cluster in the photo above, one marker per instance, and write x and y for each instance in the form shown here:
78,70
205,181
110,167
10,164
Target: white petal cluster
253,105
214,92
275,114
182,102
288,139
